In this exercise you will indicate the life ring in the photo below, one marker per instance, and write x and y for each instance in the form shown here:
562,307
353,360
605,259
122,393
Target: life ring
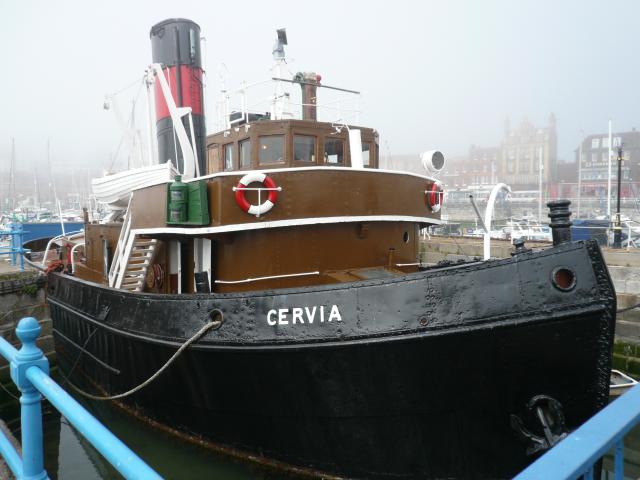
269,185
435,197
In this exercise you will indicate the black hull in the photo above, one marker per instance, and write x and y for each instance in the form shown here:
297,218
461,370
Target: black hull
418,380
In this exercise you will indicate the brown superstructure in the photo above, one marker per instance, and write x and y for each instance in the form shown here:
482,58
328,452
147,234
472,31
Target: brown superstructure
330,223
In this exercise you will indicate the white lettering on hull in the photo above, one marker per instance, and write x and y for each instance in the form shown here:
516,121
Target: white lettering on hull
299,315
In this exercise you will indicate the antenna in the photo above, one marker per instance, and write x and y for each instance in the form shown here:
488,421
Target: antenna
278,47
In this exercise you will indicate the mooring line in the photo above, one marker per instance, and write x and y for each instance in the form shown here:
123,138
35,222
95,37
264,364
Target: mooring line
183,347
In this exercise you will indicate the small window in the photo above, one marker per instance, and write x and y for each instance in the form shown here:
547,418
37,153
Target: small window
228,156
595,143
366,154
617,141
271,149
334,150
304,148
245,153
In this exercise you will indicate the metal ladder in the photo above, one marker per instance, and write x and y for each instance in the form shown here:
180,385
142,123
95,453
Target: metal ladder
133,271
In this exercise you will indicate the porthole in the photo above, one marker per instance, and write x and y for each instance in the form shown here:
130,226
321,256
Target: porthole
405,237
563,278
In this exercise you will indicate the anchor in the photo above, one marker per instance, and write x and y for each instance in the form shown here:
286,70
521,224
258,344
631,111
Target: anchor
547,415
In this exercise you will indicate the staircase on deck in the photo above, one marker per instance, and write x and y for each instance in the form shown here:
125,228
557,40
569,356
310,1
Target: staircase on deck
132,258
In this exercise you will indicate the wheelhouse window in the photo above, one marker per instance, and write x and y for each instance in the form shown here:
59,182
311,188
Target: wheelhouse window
245,153
228,156
304,148
366,154
271,149
334,151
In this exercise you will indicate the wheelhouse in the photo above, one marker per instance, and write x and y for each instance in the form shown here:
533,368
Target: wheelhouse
269,144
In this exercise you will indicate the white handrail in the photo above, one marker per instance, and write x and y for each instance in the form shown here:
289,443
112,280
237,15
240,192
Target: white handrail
122,241
73,250
46,251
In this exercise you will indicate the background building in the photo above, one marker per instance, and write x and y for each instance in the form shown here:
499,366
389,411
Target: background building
524,149
594,162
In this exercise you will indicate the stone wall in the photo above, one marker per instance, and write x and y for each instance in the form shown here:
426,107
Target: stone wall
23,295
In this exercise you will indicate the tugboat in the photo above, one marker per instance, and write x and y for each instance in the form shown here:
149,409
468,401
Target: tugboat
277,274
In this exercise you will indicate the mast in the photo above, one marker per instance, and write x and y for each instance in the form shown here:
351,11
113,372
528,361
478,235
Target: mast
540,167
609,177
52,182
580,173
36,191
279,109
12,176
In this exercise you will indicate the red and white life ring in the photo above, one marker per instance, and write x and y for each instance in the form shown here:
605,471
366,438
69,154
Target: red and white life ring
435,197
269,185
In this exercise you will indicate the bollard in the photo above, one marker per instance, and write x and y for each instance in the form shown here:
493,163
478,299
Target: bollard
29,356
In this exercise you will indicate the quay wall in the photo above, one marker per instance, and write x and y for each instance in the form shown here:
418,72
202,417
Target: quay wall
623,265
22,294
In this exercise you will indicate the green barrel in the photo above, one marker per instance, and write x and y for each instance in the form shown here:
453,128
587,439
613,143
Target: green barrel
178,201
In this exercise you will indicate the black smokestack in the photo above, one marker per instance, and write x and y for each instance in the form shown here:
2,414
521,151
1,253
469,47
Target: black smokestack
175,43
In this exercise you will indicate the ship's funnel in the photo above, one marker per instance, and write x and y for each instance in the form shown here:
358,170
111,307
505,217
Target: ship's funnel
175,44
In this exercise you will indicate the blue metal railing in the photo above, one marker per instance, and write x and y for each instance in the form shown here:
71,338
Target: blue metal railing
576,455
17,239
30,373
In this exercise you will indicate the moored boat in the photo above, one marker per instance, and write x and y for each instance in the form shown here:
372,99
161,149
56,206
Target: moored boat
315,335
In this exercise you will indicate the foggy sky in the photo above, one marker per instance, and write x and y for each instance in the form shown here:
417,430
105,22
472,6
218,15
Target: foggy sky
436,74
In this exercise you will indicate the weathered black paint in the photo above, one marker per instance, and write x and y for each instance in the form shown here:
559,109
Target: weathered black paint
419,380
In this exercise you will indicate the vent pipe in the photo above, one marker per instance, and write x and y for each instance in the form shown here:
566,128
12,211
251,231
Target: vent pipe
309,82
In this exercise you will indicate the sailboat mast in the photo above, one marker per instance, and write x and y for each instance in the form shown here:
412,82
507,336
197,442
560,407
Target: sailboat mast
52,182
12,176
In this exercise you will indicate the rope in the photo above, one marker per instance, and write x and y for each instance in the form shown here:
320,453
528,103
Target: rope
622,310
75,364
185,345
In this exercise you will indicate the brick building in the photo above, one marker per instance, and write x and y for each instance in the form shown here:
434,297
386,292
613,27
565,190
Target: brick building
594,163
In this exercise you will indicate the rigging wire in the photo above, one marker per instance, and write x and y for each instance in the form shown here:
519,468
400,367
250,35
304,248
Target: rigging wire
129,122
127,87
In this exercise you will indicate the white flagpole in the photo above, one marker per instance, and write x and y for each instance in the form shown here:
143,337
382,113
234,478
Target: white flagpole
540,167
609,177
580,172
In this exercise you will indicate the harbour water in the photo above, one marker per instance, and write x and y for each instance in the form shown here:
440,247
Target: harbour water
68,456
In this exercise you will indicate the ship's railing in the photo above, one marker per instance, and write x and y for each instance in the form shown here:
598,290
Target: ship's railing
30,373
576,455
15,249
70,236
339,106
